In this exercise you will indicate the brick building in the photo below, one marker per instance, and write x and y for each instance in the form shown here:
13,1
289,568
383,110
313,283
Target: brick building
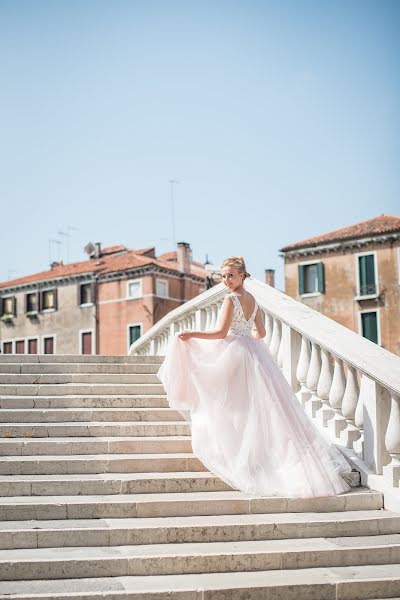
97,306
351,275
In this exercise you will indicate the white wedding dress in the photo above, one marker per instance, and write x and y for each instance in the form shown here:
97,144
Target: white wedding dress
248,427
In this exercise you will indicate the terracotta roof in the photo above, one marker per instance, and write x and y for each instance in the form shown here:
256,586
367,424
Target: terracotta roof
375,226
105,264
113,249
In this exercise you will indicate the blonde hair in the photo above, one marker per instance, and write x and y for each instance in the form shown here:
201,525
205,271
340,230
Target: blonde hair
238,262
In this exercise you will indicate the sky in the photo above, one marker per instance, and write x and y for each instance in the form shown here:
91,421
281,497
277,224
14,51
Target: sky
279,120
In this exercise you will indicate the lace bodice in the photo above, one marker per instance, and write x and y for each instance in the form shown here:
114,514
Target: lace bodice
240,325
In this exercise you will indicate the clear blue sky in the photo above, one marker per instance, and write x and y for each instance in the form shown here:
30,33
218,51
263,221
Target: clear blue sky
279,118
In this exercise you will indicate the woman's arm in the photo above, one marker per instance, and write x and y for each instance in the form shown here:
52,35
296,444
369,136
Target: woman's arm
224,322
258,322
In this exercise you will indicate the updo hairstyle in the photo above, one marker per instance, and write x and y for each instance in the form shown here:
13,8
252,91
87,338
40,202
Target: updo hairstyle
238,262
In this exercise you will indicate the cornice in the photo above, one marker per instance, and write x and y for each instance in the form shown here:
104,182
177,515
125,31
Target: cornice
332,247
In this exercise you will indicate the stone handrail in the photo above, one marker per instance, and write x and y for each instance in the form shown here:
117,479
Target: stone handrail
346,383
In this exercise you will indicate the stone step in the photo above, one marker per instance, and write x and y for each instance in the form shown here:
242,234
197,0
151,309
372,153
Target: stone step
76,401
22,447
321,583
78,368
104,415
200,557
67,389
175,504
19,379
93,429
209,528
109,483
78,358
100,463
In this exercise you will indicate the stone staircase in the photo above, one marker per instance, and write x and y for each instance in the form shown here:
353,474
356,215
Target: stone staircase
102,498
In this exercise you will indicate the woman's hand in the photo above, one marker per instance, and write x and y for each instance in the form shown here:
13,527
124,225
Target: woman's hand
185,335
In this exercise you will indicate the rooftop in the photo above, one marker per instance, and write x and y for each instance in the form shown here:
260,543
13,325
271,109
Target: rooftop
111,259
376,226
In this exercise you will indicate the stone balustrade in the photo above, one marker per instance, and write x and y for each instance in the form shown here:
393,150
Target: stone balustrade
347,384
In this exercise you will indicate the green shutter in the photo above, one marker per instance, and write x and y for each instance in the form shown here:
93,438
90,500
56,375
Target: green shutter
321,277
367,274
370,326
301,279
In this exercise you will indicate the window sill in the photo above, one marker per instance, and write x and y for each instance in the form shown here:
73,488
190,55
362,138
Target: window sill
48,310
310,295
133,297
86,304
366,297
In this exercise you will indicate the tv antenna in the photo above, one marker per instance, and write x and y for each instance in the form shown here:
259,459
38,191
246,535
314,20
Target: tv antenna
172,183
67,237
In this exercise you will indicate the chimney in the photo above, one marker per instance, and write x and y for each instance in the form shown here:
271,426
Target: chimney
270,277
184,257
97,250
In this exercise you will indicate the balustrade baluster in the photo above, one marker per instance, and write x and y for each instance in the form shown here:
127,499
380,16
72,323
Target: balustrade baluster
338,423
349,406
391,471
303,365
324,386
314,403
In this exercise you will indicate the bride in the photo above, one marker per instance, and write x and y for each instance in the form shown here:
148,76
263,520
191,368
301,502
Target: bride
248,427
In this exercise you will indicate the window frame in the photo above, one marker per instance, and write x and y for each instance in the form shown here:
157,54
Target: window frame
81,331
366,296
304,263
378,323
8,341
28,339
165,281
127,332
32,312
13,299
136,281
92,294
48,335
53,289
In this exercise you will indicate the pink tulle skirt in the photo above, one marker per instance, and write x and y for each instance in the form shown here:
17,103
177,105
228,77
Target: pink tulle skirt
247,425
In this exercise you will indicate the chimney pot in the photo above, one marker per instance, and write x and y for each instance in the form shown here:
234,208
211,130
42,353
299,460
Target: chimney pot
270,277
184,257
97,249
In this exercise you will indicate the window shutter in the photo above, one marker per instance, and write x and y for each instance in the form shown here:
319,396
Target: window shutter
40,301
301,279
93,290
78,294
321,277
1,307
26,303
55,291
14,306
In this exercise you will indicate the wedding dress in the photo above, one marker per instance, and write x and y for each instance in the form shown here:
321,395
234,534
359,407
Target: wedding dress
247,425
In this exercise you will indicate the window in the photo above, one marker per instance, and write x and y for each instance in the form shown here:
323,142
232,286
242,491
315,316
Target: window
134,333
33,346
311,278
134,288
7,347
49,299
86,293
48,345
9,306
86,342
162,288
32,303
20,347
369,326
366,275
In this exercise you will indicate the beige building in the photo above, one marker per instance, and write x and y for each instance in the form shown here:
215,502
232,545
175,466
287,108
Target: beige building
97,306
351,275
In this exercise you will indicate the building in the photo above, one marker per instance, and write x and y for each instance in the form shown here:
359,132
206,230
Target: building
351,275
97,306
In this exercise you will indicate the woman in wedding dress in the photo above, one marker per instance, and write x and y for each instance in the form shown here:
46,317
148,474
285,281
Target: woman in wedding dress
248,427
